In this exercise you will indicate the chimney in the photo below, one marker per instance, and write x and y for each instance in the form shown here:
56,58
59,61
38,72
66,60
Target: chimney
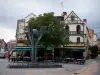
85,21
64,14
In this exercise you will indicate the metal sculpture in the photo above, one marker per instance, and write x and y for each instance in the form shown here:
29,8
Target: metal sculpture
34,37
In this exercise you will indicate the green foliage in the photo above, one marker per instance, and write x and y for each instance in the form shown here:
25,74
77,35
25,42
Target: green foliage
55,33
27,42
94,51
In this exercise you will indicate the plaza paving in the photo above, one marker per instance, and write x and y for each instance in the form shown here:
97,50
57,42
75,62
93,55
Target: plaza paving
68,69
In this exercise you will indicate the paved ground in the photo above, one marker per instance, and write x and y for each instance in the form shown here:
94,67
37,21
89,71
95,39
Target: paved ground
93,69
67,69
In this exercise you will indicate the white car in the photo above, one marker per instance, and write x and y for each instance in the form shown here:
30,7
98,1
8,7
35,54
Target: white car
2,54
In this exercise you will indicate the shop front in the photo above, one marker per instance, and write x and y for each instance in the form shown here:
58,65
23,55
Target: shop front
74,52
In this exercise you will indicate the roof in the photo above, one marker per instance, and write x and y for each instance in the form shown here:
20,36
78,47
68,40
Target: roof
74,13
30,14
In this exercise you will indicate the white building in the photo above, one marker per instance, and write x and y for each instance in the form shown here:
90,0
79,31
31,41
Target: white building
78,33
77,29
21,29
94,39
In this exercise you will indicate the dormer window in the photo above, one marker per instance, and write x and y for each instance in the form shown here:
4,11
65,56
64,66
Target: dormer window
67,27
72,18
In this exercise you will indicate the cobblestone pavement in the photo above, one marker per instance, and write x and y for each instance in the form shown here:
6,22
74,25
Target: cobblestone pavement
68,69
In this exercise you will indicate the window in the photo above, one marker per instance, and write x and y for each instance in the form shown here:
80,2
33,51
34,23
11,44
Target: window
78,39
72,18
78,29
67,27
21,31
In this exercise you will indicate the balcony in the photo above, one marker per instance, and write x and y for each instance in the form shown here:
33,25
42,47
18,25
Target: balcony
26,29
75,32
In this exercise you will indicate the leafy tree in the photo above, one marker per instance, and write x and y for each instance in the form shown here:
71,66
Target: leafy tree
94,51
54,34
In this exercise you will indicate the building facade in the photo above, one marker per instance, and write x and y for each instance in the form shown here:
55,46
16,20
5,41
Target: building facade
78,33
92,37
11,44
95,39
22,29
2,44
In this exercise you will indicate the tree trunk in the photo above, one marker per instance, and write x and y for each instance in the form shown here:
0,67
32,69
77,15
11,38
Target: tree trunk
46,53
53,54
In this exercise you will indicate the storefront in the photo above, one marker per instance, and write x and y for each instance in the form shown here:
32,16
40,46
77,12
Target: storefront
74,52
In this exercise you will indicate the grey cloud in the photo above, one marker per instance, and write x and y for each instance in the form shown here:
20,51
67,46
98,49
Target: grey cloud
11,10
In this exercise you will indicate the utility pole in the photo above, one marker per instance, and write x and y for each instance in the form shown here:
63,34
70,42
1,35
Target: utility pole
62,4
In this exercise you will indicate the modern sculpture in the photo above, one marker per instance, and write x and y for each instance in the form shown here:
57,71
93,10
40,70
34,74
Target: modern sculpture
34,37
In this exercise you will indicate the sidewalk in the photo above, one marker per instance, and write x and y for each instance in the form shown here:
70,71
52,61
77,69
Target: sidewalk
68,69
92,68
75,67
84,68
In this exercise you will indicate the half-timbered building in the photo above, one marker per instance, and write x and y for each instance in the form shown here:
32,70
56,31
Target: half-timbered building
78,40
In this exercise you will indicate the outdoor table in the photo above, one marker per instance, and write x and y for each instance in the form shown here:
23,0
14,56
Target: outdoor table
19,58
67,59
83,61
72,60
26,58
79,61
12,59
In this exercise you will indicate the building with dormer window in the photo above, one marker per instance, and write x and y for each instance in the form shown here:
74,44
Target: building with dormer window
78,35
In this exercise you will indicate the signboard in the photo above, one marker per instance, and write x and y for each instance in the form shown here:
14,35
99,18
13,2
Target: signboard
50,47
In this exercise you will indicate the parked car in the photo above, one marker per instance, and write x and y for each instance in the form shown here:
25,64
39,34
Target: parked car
2,54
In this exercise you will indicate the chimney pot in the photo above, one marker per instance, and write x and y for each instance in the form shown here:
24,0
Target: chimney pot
84,20
65,13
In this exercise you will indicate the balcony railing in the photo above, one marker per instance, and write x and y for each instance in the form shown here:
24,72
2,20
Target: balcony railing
75,32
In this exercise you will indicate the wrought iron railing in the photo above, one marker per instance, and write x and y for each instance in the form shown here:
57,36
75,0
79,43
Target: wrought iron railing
75,32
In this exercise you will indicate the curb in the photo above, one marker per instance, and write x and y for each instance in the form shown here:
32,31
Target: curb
83,69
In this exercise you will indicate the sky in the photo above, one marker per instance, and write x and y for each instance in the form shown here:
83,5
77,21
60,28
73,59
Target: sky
12,10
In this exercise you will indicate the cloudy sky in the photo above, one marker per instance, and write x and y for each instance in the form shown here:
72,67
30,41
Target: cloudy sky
12,10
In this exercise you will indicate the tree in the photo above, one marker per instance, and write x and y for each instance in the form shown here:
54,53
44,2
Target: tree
94,51
55,33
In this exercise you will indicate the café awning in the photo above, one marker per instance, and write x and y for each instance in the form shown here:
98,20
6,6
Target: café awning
22,48
25,48
77,48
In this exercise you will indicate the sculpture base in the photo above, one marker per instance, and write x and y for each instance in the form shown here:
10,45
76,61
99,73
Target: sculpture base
34,65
